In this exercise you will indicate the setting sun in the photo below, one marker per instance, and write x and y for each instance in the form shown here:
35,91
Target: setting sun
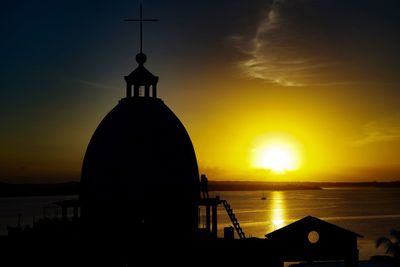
278,156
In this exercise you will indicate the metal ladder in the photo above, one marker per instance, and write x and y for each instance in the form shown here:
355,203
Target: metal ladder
235,222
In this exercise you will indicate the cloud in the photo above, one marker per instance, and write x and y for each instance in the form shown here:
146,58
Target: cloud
95,84
322,42
386,130
263,62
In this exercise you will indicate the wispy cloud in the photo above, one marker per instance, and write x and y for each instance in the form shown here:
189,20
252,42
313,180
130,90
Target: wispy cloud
322,43
386,130
263,62
269,55
94,84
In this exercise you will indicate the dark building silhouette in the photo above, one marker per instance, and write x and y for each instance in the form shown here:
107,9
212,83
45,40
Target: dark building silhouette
312,239
140,176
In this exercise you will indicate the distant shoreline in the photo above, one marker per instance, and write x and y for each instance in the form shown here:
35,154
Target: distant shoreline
282,186
72,188
258,186
30,190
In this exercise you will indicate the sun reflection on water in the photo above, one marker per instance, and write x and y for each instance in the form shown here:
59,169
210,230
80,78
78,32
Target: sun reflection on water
277,215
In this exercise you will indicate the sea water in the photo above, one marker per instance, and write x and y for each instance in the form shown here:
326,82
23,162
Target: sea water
370,212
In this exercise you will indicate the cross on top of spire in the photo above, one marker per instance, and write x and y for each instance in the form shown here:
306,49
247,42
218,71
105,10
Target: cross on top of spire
141,77
141,19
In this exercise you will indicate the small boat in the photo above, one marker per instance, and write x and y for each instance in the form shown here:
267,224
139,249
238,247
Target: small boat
263,197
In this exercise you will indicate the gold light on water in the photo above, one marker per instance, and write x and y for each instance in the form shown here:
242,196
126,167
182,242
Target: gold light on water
277,208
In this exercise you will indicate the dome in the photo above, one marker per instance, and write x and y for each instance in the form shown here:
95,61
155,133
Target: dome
140,173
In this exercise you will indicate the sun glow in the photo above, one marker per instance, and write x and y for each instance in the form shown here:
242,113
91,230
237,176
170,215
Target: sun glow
278,156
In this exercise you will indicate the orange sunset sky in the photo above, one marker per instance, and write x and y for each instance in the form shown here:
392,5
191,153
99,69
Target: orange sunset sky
317,81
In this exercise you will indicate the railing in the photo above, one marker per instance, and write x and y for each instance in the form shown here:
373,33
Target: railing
234,220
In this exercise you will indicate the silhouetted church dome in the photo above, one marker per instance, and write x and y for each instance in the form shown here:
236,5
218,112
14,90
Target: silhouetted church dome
139,143
140,170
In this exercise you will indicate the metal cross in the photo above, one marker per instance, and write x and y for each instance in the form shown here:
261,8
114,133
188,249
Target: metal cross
141,20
